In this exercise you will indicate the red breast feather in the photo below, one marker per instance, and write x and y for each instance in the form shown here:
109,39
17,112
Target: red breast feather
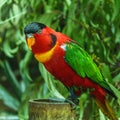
63,72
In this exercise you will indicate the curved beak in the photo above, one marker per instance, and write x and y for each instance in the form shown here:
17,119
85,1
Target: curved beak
30,41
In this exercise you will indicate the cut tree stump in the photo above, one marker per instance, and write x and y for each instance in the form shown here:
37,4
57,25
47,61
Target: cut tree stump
51,109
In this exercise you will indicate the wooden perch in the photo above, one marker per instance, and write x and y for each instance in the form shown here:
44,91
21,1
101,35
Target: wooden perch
51,109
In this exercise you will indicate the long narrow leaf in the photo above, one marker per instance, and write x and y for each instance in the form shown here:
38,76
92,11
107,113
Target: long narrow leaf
24,69
12,79
8,99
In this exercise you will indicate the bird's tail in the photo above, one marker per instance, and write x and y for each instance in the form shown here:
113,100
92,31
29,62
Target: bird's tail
106,109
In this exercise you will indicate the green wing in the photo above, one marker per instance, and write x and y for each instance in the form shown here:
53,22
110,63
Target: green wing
80,61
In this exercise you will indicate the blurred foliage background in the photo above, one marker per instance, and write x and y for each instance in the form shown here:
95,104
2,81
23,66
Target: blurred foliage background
94,24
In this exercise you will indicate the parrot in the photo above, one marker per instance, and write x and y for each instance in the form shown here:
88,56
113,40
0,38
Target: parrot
69,63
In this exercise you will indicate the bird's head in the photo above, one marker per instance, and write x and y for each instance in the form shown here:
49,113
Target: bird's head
39,37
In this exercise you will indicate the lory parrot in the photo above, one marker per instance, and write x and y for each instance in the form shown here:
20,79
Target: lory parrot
69,63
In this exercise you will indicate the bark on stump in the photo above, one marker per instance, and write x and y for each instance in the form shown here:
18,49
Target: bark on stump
50,109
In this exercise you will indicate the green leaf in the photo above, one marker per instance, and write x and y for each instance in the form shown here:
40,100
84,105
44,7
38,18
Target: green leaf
12,79
117,78
106,71
8,99
25,69
2,2
102,116
48,17
83,102
8,50
116,92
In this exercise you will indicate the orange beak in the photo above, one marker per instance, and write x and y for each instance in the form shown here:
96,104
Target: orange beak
30,42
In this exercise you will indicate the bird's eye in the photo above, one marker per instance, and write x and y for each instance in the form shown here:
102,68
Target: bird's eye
53,37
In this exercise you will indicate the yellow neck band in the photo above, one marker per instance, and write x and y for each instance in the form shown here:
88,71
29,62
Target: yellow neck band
46,56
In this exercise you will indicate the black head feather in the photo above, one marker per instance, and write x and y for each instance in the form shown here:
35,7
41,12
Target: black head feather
34,27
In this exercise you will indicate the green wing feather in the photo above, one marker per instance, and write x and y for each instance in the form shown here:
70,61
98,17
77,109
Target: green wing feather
81,62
